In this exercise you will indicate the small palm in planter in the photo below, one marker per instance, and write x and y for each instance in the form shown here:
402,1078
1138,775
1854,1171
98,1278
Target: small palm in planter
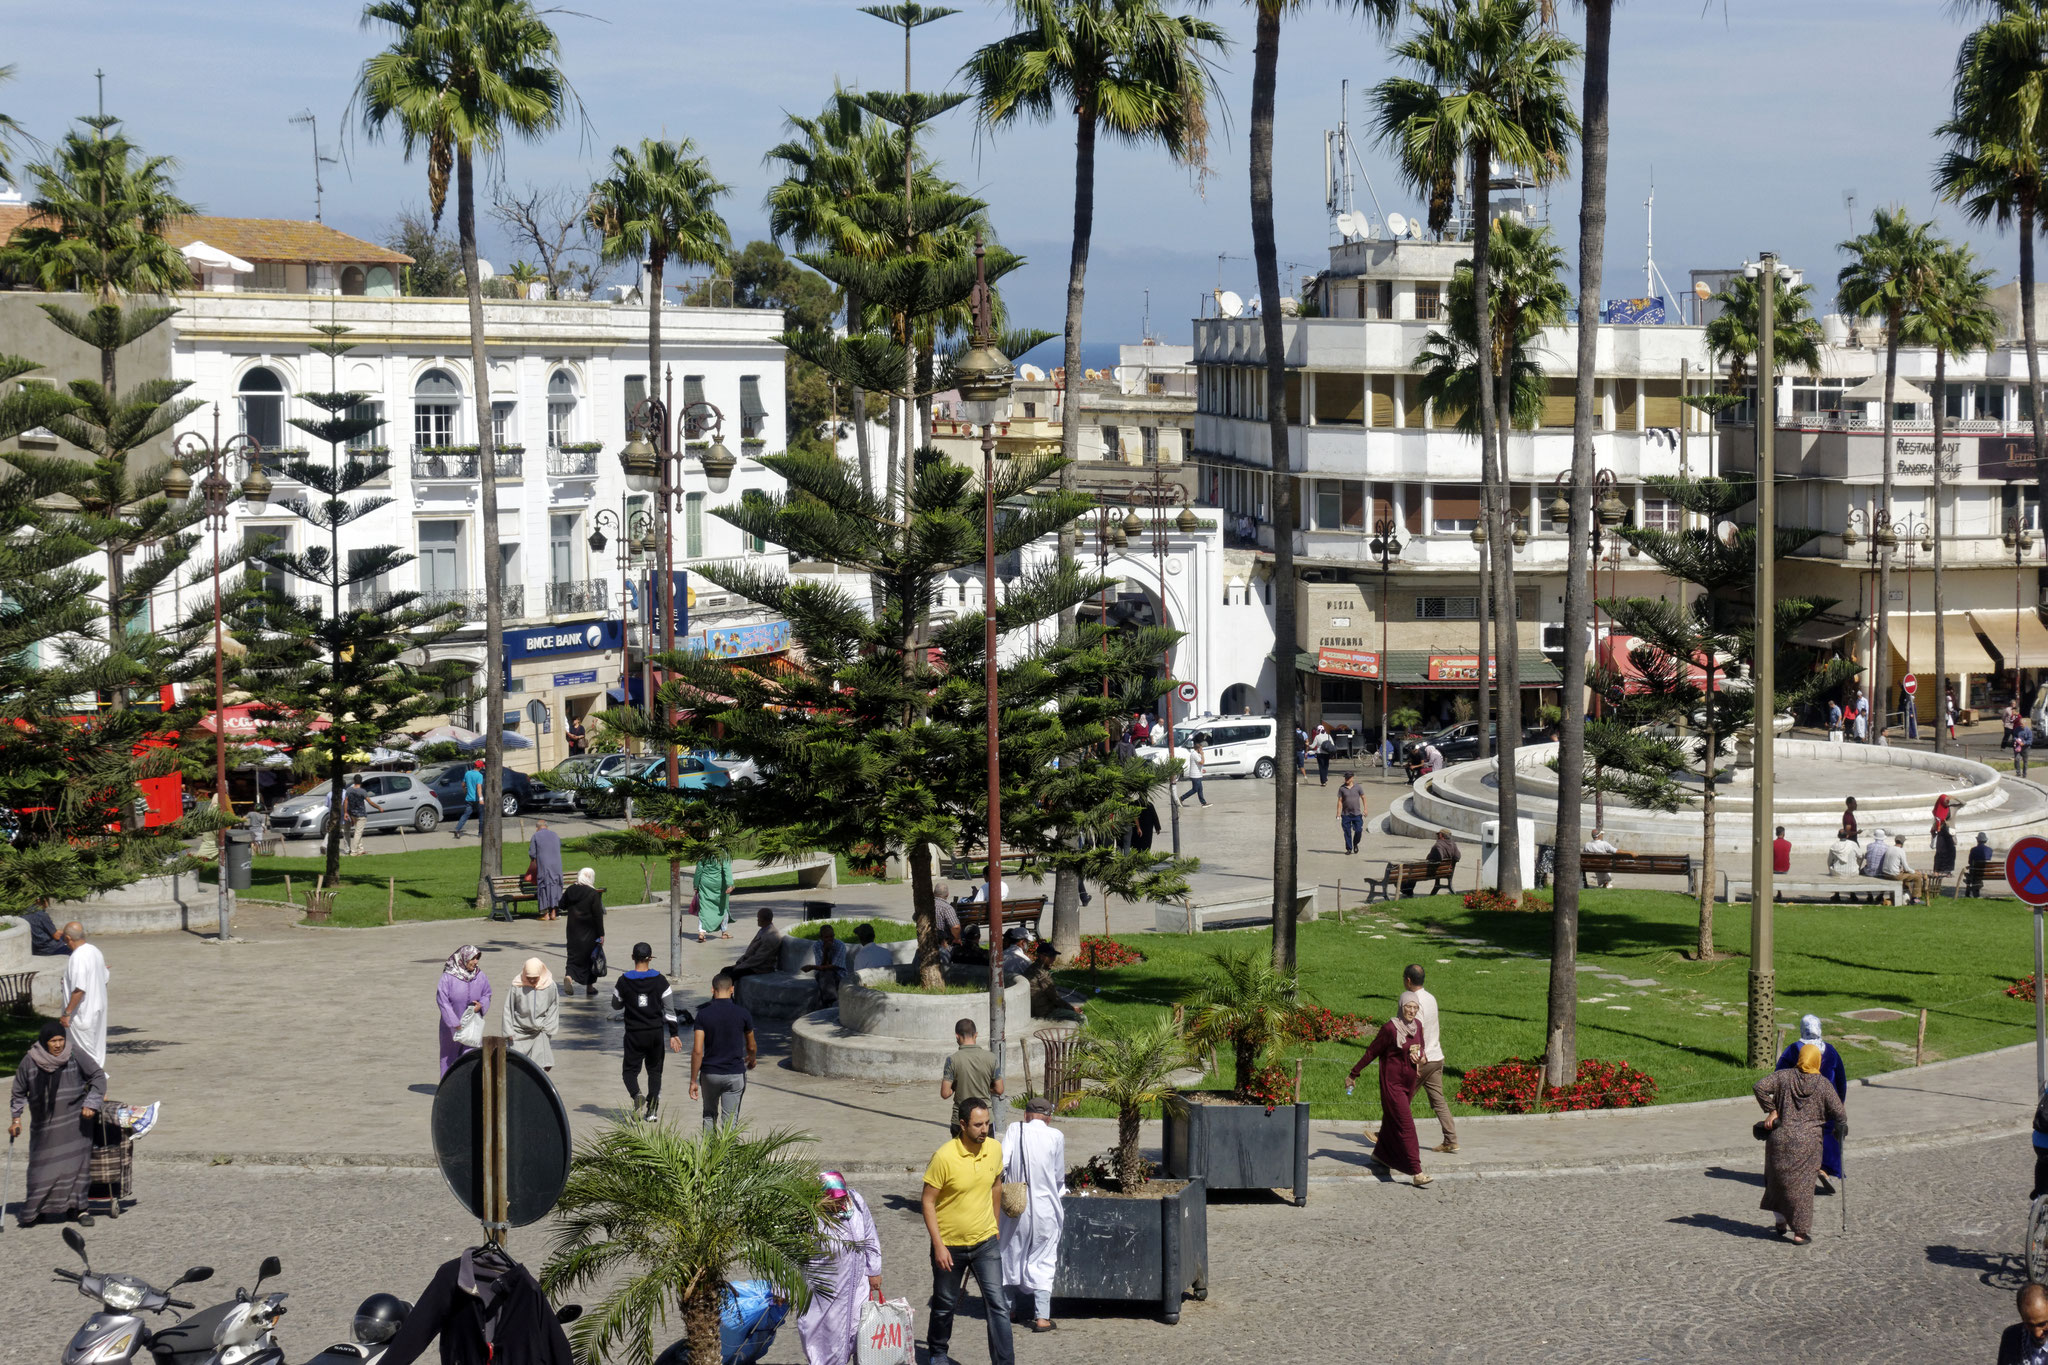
1132,1068
659,1215
1260,1142
1245,1004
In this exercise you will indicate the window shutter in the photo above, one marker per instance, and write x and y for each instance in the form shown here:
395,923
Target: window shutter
1383,400
1661,407
1624,405
1560,404
1340,398
1413,416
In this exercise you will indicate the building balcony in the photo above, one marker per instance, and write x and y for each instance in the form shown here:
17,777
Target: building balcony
470,602
575,461
459,464
578,596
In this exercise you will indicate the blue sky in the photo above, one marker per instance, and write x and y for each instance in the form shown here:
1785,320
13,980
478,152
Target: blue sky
1755,119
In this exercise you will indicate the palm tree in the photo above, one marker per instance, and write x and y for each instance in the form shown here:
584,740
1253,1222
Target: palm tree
1528,296
1266,256
1487,85
1731,333
1993,167
657,206
1956,318
1892,269
459,79
11,131
1245,1004
1131,1066
654,1214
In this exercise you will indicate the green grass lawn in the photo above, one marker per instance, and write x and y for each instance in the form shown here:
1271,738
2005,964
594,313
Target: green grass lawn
1953,959
886,930
439,884
17,1035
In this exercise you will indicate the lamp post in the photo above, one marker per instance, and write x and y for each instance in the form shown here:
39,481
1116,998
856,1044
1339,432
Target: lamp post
1609,512
654,467
2021,542
1876,528
983,377
1385,547
1158,495
1109,537
218,493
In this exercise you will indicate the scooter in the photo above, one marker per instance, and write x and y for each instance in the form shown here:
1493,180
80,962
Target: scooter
244,1332
118,1334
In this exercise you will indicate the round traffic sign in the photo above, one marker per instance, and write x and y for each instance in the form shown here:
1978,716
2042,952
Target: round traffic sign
1186,691
1909,684
2026,869
537,1136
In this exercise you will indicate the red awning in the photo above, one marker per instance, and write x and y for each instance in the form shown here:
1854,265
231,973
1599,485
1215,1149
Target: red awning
1616,655
243,722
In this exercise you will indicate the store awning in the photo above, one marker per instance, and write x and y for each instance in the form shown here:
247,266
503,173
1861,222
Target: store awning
1912,637
1822,632
1449,670
1997,627
1617,654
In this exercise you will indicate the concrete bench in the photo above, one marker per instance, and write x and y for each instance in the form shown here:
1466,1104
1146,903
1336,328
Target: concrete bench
1193,919
791,992
1823,889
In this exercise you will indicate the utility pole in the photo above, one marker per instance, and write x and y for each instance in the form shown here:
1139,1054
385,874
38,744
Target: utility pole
1763,711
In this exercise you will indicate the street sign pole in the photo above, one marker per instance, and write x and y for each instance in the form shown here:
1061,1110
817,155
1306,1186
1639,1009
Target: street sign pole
2026,873
2040,1013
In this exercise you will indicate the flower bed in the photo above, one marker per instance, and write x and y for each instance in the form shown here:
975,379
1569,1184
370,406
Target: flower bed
2022,989
1510,1087
1493,900
1271,1086
1320,1024
1097,951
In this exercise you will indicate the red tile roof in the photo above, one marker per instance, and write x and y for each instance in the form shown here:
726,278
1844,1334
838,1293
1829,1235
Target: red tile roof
255,239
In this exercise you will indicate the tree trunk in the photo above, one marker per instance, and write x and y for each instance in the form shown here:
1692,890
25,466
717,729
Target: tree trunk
700,1320
1489,416
1934,529
1561,1017
1265,69
1482,703
1507,644
1130,1170
656,260
491,833
1880,645
860,406
929,974
2028,212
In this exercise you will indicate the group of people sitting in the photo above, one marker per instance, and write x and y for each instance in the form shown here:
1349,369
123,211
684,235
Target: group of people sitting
1884,854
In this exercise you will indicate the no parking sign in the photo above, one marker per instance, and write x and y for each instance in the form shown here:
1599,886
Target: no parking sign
2026,870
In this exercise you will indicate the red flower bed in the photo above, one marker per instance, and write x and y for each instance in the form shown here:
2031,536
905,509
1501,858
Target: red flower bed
1097,951
1493,900
1316,1024
2022,989
1509,1087
1271,1086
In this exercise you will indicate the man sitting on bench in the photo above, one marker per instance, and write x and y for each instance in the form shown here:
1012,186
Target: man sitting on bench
1896,869
1598,844
764,954
1981,857
1442,860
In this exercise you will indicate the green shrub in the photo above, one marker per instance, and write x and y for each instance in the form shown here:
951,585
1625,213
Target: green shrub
886,930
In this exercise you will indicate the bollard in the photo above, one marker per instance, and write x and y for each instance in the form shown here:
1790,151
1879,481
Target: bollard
288,900
391,900
1920,1042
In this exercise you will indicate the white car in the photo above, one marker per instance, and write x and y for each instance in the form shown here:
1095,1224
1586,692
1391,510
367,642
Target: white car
1232,746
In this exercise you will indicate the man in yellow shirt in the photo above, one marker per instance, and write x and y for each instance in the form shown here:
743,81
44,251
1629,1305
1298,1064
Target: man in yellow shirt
963,1194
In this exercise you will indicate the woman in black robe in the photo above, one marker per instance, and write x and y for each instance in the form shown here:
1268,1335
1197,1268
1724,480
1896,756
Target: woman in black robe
60,1088
583,906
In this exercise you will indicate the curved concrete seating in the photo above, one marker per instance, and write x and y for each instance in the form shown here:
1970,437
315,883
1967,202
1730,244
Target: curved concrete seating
900,1036
791,991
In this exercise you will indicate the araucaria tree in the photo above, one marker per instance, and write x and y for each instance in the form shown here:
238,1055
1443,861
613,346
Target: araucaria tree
461,78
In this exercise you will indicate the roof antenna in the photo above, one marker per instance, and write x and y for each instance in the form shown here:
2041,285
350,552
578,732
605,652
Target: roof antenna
101,77
305,116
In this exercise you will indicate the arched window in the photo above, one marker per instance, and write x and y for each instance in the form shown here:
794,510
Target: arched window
262,402
436,399
561,409
351,279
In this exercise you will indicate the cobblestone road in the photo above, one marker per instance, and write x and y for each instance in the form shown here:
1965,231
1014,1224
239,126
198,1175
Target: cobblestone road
1660,1267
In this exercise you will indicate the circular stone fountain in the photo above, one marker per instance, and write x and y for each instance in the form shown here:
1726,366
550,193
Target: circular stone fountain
901,1035
1894,791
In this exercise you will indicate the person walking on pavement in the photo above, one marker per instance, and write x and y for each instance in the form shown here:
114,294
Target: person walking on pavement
2022,741
2026,1341
963,1194
1325,749
463,988
1035,1156
583,903
711,888
721,1053
472,799
1799,1106
85,995
1197,767
1351,813
59,1087
846,1273
649,1004
356,806
1430,1072
545,851
1398,1050
970,1073
1835,1074
533,1012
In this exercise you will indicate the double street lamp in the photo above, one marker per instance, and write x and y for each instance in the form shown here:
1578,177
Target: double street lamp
2020,541
1385,546
217,493
1158,495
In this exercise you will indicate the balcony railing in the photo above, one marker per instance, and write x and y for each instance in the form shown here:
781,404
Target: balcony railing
468,601
579,595
459,464
577,461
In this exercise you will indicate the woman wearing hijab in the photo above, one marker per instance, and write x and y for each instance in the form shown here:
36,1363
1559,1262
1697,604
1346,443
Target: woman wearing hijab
463,988
545,849
846,1273
1800,1106
712,881
59,1087
1398,1050
1835,1074
583,903
533,1012
1944,836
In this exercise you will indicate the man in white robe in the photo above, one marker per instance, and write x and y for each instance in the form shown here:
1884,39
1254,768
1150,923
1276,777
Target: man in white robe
1035,1152
85,995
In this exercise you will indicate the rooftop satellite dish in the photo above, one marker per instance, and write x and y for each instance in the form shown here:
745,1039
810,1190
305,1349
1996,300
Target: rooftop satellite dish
1230,304
1415,229
1030,373
1368,229
1349,226
1701,290
1397,225
484,271
1256,306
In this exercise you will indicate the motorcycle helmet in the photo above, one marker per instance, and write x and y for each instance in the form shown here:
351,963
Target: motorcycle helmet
379,1317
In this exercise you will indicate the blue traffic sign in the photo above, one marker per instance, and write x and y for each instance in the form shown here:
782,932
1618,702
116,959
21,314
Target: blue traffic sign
2026,869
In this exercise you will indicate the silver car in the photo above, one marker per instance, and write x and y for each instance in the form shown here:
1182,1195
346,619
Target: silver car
396,800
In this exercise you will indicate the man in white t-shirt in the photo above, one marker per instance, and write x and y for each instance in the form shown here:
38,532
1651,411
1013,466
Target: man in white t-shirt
85,995
1432,1068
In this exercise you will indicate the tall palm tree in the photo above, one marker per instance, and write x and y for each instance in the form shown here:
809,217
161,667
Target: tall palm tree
659,205
1266,257
1994,167
460,78
11,131
1486,85
1955,318
1731,333
1528,296
1893,267
657,1216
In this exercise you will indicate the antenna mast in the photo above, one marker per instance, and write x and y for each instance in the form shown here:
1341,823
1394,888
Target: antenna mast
1650,240
306,117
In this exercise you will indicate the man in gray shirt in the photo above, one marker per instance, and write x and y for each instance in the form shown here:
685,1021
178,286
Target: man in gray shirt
970,1074
945,922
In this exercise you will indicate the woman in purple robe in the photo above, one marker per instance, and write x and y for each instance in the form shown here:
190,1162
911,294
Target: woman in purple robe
845,1275
1398,1050
463,987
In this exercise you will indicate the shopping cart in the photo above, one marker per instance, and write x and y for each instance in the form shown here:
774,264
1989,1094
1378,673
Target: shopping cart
110,1177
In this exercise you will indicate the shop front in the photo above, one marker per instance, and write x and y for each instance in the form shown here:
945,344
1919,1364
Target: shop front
1345,685
555,674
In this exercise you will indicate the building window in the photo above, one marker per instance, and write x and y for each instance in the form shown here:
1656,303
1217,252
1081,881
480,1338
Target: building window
1660,514
1453,509
504,429
695,418
1429,302
753,416
371,411
561,409
562,548
262,403
269,278
1111,448
435,401
368,580
1150,437
1383,301
440,556
1447,608
693,526
636,394
352,279
1030,411
1187,443
510,584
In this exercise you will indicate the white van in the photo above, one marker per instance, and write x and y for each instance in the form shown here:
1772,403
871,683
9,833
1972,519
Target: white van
1232,746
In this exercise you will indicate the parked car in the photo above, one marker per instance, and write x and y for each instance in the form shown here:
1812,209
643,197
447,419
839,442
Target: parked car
397,800
1232,746
446,783
1460,743
736,769
693,773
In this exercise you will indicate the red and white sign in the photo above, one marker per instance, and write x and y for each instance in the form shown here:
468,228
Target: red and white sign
1186,691
1349,663
1909,684
2026,870
243,722
1461,668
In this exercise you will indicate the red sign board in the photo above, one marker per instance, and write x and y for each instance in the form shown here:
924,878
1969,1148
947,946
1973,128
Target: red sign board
1350,663
1909,684
2026,870
1461,668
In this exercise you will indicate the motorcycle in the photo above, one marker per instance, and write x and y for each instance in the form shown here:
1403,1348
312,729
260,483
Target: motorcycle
243,1332
118,1334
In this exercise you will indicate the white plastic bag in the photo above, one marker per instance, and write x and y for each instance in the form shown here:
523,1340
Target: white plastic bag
887,1334
470,1032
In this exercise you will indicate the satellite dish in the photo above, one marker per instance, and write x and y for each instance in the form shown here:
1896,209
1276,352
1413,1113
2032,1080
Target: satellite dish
484,270
1230,304
1290,307
1030,373
1397,225
1415,229
1256,306
1701,290
1349,226
1367,229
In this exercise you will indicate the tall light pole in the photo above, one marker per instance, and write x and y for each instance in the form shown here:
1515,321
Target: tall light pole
652,467
1876,523
2020,542
218,492
1609,512
1763,976
1158,495
1385,546
983,378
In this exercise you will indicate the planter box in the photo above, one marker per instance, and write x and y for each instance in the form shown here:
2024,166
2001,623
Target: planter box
1136,1250
1239,1146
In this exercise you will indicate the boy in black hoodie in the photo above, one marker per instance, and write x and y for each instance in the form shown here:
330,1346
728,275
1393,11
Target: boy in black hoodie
649,1003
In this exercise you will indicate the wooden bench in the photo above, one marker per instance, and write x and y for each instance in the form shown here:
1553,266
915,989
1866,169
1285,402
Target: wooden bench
1641,864
1437,874
974,869
17,992
1193,919
1975,878
507,892
1819,889
974,914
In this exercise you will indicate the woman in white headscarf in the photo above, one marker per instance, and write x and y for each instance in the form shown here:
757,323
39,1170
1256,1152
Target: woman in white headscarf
583,906
1398,1050
533,1012
1835,1074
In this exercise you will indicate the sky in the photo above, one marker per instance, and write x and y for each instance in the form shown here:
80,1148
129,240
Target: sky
1754,118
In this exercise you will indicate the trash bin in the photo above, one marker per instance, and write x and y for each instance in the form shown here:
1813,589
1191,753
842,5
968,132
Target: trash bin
241,858
1489,852
818,909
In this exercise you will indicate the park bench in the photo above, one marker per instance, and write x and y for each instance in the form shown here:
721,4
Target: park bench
1819,889
973,869
1397,875
1977,877
1641,864
974,914
506,892
17,992
1168,918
